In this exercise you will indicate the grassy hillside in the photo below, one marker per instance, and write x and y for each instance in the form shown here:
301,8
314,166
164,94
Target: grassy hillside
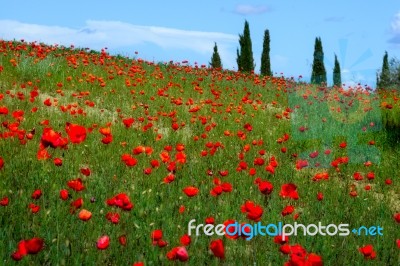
94,145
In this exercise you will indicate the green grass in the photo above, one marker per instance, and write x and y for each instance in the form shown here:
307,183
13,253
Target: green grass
122,88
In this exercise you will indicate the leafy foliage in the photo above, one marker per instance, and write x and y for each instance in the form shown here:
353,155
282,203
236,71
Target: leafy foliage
265,59
318,75
215,58
245,58
337,78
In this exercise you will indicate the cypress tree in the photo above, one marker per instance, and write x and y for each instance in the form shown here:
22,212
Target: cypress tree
245,59
318,75
384,79
398,75
215,58
337,78
265,59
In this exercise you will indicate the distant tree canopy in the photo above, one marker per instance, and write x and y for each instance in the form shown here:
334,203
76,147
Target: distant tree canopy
245,59
389,76
384,77
337,77
215,58
265,69
318,75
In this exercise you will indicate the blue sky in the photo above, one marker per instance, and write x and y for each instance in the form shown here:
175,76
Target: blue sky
359,32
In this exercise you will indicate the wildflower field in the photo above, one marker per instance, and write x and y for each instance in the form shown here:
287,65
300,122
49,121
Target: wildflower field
104,160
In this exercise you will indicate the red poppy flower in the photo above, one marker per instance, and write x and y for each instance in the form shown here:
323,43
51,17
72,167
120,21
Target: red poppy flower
300,164
270,168
217,248
129,160
285,249
57,161
128,122
265,187
180,157
161,243
279,239
210,220
171,167
105,131
36,194
216,191
357,176
3,110
64,194
191,191
34,245
248,127
259,161
34,208
107,139
254,212
113,217
314,260
76,133
155,163
30,246
169,178
122,240
156,235
4,201
397,217
122,201
297,252
287,210
52,139
182,254
313,154
320,196
226,187
289,191
242,165
76,184
43,154
185,240
370,175
1,163
147,171
85,215
252,171
103,242
368,252
77,203
175,126
138,150
47,102
319,176
85,171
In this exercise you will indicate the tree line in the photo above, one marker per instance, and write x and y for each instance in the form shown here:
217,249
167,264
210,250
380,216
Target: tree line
387,77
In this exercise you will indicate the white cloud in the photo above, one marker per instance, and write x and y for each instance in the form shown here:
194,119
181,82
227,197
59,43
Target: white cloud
250,9
116,35
395,28
396,23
